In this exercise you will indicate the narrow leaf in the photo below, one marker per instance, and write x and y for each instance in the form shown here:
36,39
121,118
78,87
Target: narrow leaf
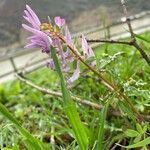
131,133
70,108
126,108
142,38
33,142
139,144
139,128
103,115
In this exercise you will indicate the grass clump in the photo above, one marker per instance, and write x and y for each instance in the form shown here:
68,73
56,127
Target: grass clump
45,119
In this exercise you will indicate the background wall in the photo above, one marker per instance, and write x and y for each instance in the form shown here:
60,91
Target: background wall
80,14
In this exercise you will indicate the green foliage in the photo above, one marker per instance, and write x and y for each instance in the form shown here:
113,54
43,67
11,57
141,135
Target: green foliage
102,118
70,109
44,116
142,143
131,133
30,141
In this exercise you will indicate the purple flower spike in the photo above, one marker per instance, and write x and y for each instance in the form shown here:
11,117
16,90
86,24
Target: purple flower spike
68,37
69,41
87,50
38,39
75,75
59,21
50,64
42,37
61,53
32,18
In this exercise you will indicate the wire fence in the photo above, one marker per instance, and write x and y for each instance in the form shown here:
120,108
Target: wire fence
30,60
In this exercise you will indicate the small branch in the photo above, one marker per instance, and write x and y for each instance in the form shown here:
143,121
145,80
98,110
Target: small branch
76,99
134,42
142,52
127,18
131,43
58,94
111,86
108,41
52,137
115,145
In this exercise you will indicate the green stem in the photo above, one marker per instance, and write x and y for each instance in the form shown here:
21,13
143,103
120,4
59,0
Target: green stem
110,85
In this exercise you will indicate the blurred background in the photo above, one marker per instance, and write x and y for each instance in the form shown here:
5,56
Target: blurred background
80,14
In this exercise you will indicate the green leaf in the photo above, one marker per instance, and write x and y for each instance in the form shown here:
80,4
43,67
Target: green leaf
103,115
90,60
15,147
139,144
137,139
36,144
131,133
142,38
145,128
139,128
70,108
126,108
144,148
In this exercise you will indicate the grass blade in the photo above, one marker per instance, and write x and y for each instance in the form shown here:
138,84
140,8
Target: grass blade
32,142
139,144
70,108
103,115
126,108
142,38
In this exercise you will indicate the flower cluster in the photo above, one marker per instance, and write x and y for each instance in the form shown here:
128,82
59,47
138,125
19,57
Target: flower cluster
43,36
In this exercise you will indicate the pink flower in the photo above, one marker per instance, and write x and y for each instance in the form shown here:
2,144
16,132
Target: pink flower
68,37
69,41
32,18
87,50
59,21
50,64
43,39
62,56
75,75
38,39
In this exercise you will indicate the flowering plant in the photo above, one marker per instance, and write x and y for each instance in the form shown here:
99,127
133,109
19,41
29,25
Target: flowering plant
55,40
108,106
48,35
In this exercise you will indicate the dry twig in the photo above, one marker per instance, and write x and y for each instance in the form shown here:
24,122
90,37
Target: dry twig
133,38
133,42
108,41
58,94
76,99
111,86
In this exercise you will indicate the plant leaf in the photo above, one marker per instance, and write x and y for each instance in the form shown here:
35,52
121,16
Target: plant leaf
142,38
139,144
125,107
139,128
131,133
70,108
36,144
103,114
